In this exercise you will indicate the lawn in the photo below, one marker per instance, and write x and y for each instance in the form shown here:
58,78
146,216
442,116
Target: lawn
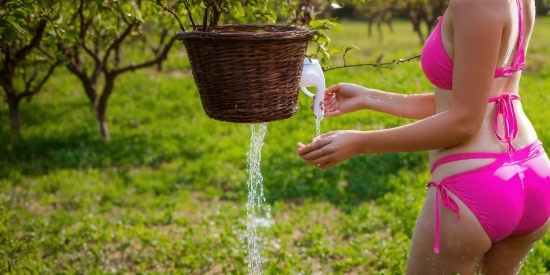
167,195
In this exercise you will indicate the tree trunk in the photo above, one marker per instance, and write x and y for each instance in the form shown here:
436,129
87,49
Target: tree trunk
390,23
13,103
103,126
99,114
100,106
13,106
418,29
380,35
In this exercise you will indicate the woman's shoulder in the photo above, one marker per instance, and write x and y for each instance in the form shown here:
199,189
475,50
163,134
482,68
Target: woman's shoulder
474,4
492,12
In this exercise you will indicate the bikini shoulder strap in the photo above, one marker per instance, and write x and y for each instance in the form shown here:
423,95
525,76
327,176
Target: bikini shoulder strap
520,54
519,60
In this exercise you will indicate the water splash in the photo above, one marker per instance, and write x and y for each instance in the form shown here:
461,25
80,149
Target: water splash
254,206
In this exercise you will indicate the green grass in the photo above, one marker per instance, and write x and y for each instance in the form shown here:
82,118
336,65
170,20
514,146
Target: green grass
167,195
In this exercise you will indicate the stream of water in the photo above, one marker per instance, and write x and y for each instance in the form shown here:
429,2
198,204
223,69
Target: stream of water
318,127
257,214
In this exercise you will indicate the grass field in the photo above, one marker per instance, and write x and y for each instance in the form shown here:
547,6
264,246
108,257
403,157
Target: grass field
167,195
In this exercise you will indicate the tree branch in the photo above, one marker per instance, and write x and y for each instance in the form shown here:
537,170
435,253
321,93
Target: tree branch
45,52
190,15
79,72
122,14
117,43
84,25
29,93
163,55
175,15
385,65
94,55
35,41
28,81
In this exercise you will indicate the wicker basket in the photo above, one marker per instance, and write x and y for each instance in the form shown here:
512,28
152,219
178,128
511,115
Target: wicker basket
248,73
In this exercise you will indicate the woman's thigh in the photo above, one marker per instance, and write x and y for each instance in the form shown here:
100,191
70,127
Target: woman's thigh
508,255
462,244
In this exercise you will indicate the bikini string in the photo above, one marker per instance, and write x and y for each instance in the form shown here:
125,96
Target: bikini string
505,109
447,202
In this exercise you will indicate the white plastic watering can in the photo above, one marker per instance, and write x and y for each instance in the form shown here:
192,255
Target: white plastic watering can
312,76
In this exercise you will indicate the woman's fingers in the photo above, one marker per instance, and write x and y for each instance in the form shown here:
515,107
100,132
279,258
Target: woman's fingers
328,150
326,165
317,149
322,163
313,147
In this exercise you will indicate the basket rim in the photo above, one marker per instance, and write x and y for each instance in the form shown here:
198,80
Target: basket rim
248,32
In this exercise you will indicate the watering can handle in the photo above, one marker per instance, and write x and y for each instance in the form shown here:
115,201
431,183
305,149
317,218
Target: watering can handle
317,110
308,93
312,75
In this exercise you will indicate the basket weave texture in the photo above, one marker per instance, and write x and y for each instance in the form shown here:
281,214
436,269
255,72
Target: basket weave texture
247,73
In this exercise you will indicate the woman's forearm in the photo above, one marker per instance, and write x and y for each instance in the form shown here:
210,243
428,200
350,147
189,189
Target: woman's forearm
416,106
439,131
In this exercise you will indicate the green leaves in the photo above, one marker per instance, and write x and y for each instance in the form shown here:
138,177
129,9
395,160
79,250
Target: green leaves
322,40
265,14
325,24
349,48
15,14
237,9
8,34
137,12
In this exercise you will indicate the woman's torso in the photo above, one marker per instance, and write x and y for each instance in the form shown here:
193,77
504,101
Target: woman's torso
486,140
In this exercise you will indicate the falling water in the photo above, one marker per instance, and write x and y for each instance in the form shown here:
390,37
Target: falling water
318,126
254,206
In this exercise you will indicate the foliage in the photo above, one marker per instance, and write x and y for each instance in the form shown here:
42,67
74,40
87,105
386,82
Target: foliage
293,12
28,55
167,194
543,7
91,35
212,11
10,17
422,14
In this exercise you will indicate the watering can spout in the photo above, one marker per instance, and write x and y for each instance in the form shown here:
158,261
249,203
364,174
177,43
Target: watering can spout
312,76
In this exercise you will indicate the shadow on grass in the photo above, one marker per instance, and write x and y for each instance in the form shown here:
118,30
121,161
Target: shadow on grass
362,178
205,166
70,145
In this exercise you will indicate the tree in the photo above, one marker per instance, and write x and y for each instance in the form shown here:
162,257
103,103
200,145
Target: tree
28,56
420,12
92,39
375,12
543,7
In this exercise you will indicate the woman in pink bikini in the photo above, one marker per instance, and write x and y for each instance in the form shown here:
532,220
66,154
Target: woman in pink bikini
488,200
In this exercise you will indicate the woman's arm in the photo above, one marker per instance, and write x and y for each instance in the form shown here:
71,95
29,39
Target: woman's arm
416,106
346,98
477,28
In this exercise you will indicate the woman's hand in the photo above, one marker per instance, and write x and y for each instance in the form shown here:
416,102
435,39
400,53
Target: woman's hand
331,148
343,98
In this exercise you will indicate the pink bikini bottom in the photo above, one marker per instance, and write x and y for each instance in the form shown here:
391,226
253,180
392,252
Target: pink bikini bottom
509,197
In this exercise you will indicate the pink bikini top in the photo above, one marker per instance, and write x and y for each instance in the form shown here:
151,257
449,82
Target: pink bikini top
438,67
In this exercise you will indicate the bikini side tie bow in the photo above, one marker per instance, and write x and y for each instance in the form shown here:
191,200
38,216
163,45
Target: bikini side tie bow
505,109
447,202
